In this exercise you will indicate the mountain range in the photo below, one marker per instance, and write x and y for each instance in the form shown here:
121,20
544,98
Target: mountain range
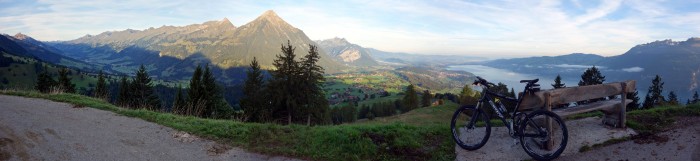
677,62
346,52
172,52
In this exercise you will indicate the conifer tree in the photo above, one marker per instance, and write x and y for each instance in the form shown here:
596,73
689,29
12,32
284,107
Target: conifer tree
253,101
312,95
216,105
64,82
284,84
591,76
124,96
179,103
101,90
654,96
45,82
558,83
467,96
410,99
425,100
194,94
634,105
672,98
142,91
695,98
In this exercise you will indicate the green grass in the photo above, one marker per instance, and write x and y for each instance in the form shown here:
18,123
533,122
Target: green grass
655,119
393,141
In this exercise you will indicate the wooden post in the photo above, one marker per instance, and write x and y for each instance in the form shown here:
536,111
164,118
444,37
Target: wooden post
548,122
623,108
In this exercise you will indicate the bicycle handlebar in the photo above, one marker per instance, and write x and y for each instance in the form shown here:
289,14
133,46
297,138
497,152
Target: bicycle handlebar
483,81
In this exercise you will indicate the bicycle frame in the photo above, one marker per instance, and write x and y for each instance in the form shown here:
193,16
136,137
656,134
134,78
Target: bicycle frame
487,96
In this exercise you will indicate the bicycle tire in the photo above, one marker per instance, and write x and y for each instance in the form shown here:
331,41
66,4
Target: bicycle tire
456,129
559,127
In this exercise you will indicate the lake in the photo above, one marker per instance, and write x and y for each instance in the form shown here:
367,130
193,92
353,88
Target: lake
510,78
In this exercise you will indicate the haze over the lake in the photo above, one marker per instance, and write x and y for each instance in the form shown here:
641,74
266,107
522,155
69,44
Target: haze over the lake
481,28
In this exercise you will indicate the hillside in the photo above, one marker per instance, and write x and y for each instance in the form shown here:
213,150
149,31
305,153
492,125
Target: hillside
173,52
25,46
346,52
675,61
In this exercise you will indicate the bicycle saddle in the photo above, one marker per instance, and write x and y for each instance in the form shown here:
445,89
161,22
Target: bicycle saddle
529,81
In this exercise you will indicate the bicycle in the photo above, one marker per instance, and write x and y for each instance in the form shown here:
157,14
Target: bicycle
538,141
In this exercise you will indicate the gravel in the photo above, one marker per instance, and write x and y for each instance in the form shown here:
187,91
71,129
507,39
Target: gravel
37,129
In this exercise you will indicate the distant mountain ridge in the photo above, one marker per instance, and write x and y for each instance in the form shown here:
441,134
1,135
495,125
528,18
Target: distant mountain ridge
172,52
677,62
26,46
344,51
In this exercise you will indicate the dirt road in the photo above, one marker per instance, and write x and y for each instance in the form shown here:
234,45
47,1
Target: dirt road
36,129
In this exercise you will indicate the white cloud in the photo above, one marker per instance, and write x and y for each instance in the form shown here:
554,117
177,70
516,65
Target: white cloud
633,69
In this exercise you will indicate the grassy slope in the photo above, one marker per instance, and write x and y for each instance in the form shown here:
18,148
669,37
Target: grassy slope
395,141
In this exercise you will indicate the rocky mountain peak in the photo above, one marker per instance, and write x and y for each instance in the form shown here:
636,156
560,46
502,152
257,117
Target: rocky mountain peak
271,17
21,36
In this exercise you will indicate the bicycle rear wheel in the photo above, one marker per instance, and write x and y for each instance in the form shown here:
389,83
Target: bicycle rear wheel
470,127
539,141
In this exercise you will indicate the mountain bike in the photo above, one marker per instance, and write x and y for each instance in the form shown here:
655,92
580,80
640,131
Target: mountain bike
541,133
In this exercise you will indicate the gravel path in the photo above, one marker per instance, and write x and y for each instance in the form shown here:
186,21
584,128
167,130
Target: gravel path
37,129
680,142
501,147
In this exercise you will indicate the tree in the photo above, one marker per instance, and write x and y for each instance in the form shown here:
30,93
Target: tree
64,83
253,101
425,100
635,101
44,82
364,110
558,83
468,96
179,103
194,94
101,90
695,98
284,84
672,98
591,76
124,96
313,97
654,96
141,88
410,99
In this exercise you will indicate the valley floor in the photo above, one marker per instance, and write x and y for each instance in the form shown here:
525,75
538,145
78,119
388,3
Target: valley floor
37,129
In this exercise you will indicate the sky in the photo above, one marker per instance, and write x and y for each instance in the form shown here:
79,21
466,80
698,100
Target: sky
489,28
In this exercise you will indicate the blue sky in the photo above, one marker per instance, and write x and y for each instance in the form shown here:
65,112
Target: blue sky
482,28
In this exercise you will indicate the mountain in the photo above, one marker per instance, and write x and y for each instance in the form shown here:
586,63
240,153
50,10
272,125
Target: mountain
26,46
173,52
346,52
675,61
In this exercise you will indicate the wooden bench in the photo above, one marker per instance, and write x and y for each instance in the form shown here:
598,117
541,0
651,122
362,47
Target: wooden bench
614,109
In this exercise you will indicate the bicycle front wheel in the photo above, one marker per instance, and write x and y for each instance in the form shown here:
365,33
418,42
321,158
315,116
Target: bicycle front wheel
470,128
543,135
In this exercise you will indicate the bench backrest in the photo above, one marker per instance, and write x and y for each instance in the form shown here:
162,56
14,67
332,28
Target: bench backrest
574,94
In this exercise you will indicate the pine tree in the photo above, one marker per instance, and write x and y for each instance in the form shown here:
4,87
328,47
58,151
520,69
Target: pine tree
654,96
284,84
179,103
253,101
410,100
635,101
64,82
695,98
672,98
44,82
467,96
101,90
425,100
215,106
591,76
142,91
124,96
312,94
558,83
194,94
